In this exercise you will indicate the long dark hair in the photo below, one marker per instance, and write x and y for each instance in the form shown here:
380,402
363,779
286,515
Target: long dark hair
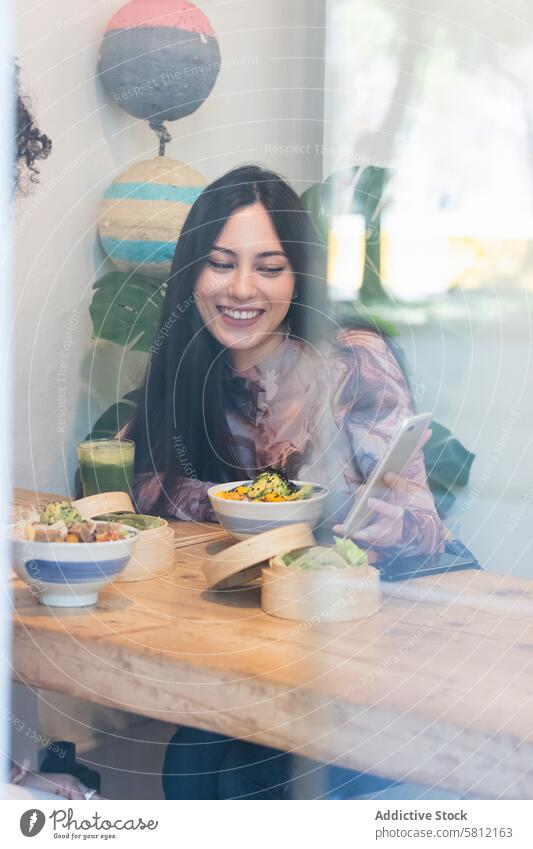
180,428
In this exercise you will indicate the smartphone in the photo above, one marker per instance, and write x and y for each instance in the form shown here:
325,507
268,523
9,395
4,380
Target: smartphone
402,448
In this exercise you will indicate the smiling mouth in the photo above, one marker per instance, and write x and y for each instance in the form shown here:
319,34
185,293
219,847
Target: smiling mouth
238,314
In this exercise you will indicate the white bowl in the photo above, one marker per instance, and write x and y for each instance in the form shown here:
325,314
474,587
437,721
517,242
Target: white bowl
243,519
70,574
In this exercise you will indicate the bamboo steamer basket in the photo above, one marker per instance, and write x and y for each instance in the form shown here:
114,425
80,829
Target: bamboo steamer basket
153,556
241,563
104,502
319,595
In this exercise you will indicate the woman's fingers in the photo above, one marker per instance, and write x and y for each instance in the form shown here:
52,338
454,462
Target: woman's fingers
381,533
393,511
387,530
60,784
71,788
399,485
403,492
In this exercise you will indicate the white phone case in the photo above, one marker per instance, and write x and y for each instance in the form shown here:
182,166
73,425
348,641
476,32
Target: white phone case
403,447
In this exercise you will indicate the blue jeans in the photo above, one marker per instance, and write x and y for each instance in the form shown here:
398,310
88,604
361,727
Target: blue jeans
202,765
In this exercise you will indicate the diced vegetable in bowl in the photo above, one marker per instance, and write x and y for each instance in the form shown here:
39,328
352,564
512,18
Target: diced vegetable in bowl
67,559
61,522
270,486
271,500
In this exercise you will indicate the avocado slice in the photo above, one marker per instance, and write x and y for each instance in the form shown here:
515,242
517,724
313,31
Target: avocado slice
270,481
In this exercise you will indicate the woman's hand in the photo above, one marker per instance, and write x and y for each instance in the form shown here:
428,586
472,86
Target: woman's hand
57,783
385,528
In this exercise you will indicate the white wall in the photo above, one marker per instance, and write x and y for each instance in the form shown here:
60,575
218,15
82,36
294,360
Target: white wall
268,94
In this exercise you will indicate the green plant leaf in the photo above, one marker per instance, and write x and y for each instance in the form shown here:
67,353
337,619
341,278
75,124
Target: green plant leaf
126,310
115,417
448,464
444,499
353,190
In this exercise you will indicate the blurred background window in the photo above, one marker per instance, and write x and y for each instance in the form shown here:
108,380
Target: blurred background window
438,99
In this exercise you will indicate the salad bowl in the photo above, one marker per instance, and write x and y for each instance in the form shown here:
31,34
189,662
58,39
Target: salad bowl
243,519
70,575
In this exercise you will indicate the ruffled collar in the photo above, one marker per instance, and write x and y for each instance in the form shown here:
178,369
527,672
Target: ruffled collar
253,389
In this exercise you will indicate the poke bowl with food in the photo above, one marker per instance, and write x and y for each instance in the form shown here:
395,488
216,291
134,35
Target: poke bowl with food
67,559
271,500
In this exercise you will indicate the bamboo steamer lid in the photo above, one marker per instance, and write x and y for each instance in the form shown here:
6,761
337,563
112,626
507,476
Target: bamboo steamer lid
241,563
153,555
104,502
320,595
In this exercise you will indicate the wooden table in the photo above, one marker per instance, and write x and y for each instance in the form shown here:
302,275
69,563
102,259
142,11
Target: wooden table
437,688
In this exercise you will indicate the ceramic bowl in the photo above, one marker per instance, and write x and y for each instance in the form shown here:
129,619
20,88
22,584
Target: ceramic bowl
243,519
71,574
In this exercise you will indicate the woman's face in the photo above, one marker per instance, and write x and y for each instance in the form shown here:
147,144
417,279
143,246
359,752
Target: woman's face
245,289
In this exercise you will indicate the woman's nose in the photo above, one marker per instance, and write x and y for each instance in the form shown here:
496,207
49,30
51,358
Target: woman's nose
242,285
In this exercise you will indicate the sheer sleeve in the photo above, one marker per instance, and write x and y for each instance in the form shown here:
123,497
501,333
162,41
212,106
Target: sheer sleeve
371,400
188,502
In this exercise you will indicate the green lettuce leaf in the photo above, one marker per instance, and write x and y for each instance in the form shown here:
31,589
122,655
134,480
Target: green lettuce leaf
350,552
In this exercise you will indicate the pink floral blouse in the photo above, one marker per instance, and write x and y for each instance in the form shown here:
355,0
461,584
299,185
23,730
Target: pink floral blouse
323,415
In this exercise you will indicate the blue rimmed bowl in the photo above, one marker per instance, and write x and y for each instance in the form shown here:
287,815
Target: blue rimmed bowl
243,519
66,574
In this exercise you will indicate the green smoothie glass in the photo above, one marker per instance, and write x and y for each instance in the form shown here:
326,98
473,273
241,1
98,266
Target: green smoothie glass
106,465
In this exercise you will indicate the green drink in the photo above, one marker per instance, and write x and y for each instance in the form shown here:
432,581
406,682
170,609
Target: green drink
106,465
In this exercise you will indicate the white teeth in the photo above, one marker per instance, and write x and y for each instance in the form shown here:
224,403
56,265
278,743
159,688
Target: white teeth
241,314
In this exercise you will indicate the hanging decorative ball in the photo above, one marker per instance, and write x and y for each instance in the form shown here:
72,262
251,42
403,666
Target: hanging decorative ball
142,214
159,60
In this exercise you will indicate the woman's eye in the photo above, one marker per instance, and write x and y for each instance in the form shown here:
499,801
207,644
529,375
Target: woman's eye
220,266
271,269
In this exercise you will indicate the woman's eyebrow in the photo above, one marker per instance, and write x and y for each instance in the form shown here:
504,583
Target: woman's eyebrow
262,254
223,250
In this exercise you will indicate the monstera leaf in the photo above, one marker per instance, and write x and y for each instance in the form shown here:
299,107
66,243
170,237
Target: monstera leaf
115,417
126,309
354,189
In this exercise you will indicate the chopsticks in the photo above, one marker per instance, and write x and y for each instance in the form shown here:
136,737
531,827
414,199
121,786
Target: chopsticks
196,539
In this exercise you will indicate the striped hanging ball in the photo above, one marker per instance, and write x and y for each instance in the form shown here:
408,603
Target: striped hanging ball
159,59
142,214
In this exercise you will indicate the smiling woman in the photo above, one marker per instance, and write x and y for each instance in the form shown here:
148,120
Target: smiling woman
250,266
254,373
244,294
